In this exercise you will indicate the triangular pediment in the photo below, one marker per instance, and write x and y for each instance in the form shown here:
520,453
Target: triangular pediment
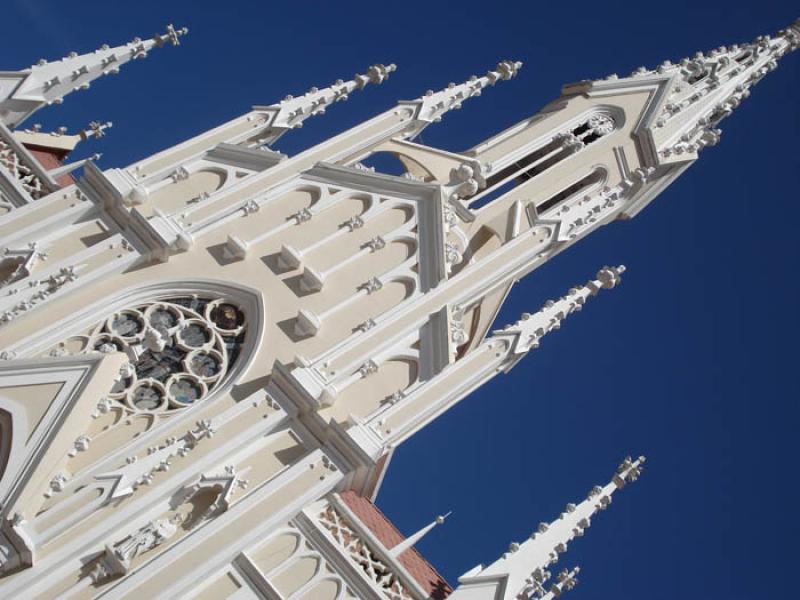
45,404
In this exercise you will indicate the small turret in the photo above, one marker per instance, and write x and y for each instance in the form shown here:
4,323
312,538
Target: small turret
24,92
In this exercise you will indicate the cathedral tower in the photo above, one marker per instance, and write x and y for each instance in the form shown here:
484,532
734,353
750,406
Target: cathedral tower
210,355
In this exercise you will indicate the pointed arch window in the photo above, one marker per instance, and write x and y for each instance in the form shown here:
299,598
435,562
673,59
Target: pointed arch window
179,348
588,129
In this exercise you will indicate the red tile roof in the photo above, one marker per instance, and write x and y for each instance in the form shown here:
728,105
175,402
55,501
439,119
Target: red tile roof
383,529
51,158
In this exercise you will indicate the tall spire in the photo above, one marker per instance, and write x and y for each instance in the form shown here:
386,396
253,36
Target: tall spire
698,92
24,92
413,540
530,329
433,105
291,112
522,572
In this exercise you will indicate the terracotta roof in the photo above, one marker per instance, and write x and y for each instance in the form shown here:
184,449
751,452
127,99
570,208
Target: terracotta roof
51,158
383,529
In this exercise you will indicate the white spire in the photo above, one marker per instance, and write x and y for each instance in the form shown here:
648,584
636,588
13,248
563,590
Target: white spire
524,568
412,540
24,92
433,105
700,91
70,167
291,112
530,329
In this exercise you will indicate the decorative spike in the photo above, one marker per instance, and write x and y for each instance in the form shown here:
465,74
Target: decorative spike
70,167
291,112
47,83
530,329
525,566
412,540
433,105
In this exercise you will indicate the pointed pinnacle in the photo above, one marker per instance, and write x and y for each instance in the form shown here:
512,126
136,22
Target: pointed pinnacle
48,83
525,565
291,111
70,167
414,539
531,328
435,104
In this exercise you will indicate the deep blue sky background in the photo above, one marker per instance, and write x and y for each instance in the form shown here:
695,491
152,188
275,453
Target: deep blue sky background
692,361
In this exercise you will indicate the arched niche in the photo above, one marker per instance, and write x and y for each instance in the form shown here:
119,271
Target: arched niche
276,551
367,393
184,192
327,589
300,572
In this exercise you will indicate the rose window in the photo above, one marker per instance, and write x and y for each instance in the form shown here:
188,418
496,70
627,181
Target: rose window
179,350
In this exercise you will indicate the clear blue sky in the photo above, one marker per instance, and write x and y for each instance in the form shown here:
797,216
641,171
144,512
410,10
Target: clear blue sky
692,361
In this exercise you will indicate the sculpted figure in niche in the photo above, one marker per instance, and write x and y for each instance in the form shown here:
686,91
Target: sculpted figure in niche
148,537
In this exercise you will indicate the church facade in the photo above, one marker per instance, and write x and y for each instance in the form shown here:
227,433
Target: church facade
209,356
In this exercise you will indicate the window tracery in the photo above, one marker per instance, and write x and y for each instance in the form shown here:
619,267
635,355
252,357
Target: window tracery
179,349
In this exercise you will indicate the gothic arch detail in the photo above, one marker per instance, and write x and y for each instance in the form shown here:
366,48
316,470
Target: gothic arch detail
184,342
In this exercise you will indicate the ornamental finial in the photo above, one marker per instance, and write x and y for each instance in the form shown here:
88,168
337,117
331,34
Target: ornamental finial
95,129
171,36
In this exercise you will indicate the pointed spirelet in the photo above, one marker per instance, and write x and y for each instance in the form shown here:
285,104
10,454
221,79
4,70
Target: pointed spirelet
702,90
524,567
414,539
433,105
531,328
292,111
24,92
70,167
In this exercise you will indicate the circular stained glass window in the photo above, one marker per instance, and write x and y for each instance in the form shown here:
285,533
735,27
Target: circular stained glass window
227,316
127,324
185,391
163,318
205,365
195,335
147,397
106,344
159,365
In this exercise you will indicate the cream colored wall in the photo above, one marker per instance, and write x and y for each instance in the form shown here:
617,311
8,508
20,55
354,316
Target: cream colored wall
327,246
